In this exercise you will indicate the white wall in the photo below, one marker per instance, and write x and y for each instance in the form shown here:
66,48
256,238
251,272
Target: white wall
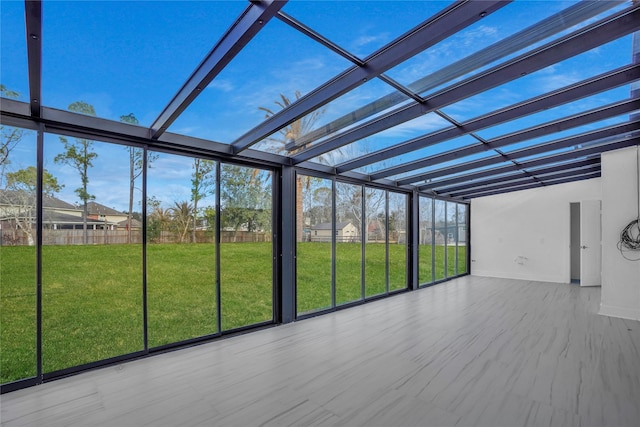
532,224
620,278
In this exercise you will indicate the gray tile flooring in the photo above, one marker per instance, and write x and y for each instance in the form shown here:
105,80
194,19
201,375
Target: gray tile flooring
470,352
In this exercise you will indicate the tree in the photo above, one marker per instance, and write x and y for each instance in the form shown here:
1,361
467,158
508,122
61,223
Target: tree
374,204
10,136
349,204
158,220
202,183
246,201
79,155
181,214
19,198
284,142
135,169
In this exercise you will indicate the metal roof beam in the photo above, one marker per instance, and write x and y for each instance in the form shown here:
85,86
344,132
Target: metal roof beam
535,185
588,87
582,40
566,18
511,167
522,179
548,128
621,142
252,20
33,20
299,26
447,22
522,173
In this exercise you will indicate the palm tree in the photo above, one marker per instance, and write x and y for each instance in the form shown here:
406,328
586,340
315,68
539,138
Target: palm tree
159,220
181,216
284,142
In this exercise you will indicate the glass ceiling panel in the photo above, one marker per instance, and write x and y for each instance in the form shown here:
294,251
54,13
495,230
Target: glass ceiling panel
432,150
580,67
448,60
466,172
258,76
408,130
536,169
509,176
126,57
594,101
13,51
371,24
338,109
538,156
478,156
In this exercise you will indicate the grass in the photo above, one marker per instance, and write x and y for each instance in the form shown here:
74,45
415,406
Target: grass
314,273
425,273
92,300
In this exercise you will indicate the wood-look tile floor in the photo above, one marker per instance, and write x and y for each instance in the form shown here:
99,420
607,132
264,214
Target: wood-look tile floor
470,352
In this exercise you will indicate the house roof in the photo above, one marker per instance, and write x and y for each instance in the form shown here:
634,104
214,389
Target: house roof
14,197
55,203
53,217
95,208
134,223
327,226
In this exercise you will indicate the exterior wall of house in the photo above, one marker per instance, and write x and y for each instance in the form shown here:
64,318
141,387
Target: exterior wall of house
348,233
321,235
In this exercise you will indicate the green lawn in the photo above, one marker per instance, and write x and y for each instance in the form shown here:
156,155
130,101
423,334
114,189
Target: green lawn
92,295
425,273
314,273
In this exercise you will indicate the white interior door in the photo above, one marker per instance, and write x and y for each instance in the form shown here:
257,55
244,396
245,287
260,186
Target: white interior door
590,237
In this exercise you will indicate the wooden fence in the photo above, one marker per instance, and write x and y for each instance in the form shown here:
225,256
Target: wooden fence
119,237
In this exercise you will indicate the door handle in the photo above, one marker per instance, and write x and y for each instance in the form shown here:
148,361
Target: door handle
583,247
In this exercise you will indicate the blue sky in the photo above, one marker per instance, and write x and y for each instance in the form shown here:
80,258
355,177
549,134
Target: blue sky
132,57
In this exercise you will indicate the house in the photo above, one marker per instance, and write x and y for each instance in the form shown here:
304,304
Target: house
98,212
18,217
345,232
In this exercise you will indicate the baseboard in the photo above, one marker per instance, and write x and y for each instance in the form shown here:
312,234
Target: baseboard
503,275
621,312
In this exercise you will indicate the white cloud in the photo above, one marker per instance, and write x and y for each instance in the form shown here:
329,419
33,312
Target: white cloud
223,85
555,81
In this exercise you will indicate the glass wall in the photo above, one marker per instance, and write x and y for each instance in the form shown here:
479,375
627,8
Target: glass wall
209,221
181,242
442,240
348,253
314,231
451,239
18,236
92,252
426,241
246,251
398,232
375,251
461,241
369,237
440,235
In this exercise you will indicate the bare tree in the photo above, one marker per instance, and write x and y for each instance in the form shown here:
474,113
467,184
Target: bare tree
136,163
80,155
202,184
18,200
10,136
